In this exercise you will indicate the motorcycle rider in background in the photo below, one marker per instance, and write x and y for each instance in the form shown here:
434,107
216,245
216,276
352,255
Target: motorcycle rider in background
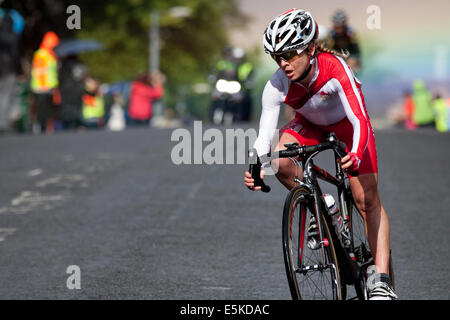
245,78
231,99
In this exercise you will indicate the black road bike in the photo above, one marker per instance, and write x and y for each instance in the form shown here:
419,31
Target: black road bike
321,273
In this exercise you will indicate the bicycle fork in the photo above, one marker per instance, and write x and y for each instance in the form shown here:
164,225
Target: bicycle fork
324,242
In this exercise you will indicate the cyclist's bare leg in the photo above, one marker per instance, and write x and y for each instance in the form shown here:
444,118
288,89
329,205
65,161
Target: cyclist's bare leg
365,193
285,168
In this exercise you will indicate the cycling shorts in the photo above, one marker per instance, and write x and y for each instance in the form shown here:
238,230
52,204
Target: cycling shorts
310,134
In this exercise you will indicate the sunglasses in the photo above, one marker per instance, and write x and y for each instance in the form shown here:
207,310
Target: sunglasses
286,56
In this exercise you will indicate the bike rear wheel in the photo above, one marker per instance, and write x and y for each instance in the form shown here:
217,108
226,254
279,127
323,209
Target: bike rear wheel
360,245
312,274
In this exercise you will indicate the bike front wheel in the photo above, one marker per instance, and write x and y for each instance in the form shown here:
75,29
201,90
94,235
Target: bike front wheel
312,274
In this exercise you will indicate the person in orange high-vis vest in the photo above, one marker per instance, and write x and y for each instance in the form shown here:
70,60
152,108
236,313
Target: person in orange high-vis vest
44,81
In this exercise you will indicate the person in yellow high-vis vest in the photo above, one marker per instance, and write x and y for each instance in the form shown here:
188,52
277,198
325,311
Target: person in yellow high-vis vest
423,111
44,81
441,112
93,108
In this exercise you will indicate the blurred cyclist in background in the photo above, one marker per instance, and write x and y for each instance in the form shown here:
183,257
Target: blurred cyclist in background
342,38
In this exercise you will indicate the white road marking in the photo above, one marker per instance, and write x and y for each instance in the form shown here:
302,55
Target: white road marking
65,179
34,197
68,157
35,172
184,203
5,232
216,288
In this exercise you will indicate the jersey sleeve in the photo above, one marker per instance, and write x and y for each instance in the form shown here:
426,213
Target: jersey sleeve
272,98
353,104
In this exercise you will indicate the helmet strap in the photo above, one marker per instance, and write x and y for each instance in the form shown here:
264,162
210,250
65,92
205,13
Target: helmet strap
305,74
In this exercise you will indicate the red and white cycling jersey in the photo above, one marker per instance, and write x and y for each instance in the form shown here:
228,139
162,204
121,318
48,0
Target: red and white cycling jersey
333,95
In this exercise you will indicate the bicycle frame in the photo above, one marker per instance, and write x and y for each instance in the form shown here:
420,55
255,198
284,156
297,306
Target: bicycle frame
351,271
311,174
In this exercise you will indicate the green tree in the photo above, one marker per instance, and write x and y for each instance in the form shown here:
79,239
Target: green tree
190,46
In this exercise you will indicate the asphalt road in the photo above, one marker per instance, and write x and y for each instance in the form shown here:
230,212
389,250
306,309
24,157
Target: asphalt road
140,227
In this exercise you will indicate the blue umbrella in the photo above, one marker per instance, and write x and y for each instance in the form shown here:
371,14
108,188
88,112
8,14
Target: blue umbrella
74,47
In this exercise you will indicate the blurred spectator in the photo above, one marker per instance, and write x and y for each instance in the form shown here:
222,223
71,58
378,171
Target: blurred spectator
110,91
342,37
93,107
144,90
71,83
408,111
441,111
423,113
11,27
116,121
20,112
44,82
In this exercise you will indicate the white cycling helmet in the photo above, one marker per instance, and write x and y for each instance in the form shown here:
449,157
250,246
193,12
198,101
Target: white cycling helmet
293,30
323,31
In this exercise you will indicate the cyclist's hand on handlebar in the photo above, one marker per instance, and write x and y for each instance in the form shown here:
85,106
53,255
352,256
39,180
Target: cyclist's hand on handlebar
250,182
350,162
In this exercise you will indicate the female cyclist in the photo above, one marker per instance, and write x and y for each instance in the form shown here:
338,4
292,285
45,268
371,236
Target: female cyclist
317,83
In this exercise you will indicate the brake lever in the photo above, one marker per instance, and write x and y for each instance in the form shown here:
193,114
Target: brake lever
340,150
291,146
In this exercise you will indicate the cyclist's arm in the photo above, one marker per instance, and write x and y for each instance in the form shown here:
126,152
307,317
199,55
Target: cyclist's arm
272,98
353,106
